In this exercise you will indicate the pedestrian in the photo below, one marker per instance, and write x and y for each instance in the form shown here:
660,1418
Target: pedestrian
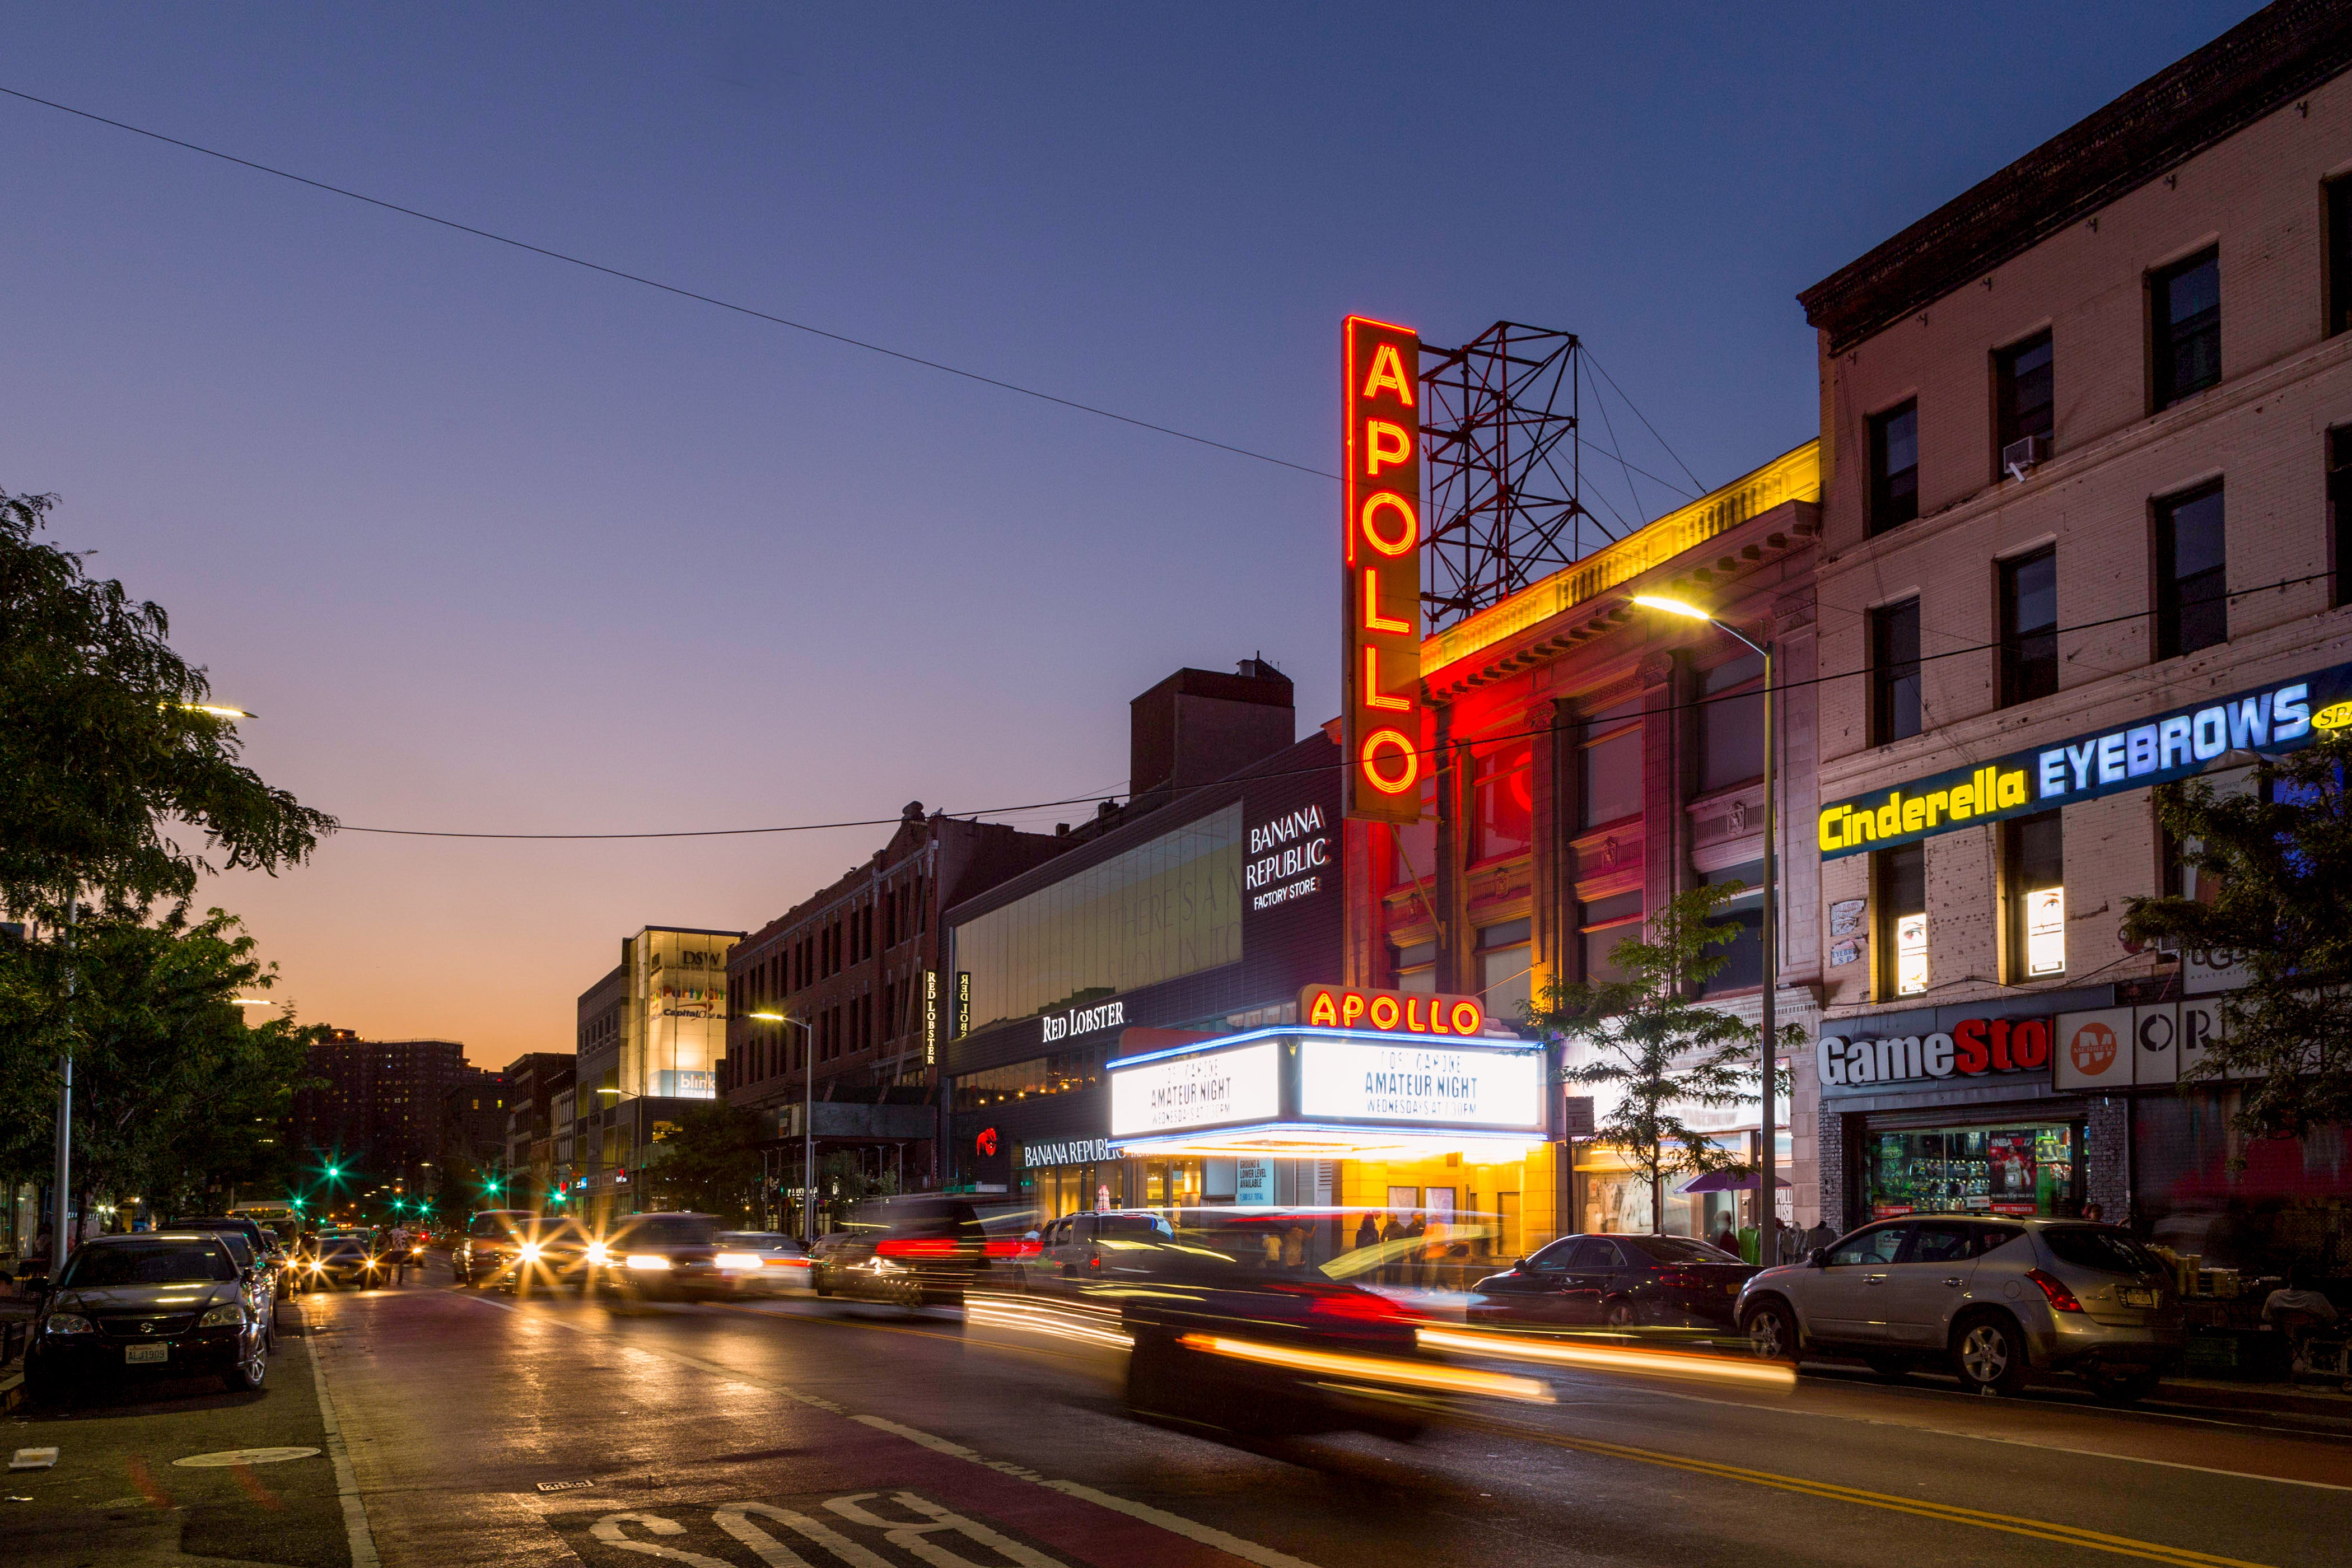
1414,1229
396,1241
1369,1233
1727,1239
2095,1214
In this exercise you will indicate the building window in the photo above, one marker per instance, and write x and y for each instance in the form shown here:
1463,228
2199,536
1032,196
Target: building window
1902,878
2029,626
2339,512
1732,724
1894,467
1607,923
2025,402
2033,856
1502,798
2339,256
2185,322
1416,966
2192,609
1609,767
1505,962
1743,968
1412,850
1894,672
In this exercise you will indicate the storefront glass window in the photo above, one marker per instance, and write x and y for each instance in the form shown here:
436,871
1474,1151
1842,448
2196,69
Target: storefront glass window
1607,923
1505,959
1163,909
1416,967
2034,855
1743,966
1731,728
1609,767
2028,1169
1057,1074
1902,877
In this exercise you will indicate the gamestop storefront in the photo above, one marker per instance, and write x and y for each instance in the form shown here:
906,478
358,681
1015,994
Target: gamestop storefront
1952,1110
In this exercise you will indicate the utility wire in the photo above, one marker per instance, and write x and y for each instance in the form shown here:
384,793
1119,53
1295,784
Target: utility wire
1327,767
1644,418
668,287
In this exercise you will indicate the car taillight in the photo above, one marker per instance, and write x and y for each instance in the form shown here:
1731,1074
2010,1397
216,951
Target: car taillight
2061,1298
1013,1248
1345,1305
1680,1279
906,1247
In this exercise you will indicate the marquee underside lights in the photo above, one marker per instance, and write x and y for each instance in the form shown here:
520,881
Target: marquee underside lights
1382,530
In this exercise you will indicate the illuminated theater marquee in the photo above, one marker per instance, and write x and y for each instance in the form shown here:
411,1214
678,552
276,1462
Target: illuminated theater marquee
1380,554
1390,1012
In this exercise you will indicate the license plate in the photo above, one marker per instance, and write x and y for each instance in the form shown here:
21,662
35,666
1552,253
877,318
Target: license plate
134,1354
2137,1297
1734,1290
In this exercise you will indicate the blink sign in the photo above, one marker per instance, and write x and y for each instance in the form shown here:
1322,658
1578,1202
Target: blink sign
1279,1089
2173,745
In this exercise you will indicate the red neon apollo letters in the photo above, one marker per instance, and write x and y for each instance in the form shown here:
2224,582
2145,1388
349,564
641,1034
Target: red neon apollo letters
1388,1012
1381,500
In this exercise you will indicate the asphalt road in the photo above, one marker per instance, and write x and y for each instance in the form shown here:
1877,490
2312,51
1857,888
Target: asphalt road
480,1429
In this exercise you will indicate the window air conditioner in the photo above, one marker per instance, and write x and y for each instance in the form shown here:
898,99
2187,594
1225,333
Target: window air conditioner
2020,456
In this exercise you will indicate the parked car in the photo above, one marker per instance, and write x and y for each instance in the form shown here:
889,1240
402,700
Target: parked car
761,1262
915,1250
1617,1280
163,1303
1989,1298
489,1243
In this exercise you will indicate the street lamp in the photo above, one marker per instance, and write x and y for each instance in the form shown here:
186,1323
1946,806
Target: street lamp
808,1120
1767,1207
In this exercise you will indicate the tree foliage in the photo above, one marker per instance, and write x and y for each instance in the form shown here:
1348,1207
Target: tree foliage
2274,882
103,757
711,1164
174,1094
1647,1038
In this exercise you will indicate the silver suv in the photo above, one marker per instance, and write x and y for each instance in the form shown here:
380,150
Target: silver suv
1986,1297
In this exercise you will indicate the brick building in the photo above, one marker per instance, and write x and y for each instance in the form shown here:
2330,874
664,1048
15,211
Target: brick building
1591,760
534,1082
378,1113
2084,436
859,964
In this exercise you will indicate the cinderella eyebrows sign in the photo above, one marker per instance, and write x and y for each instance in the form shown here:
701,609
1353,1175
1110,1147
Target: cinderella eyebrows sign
2178,744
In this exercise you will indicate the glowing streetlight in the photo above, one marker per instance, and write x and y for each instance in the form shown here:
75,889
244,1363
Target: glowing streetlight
217,711
1768,1206
808,1119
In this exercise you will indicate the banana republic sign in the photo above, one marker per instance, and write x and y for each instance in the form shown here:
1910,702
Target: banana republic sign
1380,554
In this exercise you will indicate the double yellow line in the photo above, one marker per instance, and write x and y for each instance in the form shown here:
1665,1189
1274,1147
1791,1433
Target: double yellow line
1948,1513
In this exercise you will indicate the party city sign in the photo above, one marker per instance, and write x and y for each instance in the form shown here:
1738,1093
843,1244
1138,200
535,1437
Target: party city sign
2175,745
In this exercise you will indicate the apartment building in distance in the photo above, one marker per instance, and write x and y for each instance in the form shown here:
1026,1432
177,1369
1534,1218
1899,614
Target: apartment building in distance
377,1111
2086,438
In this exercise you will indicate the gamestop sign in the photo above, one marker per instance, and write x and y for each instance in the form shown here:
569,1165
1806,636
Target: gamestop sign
1976,1048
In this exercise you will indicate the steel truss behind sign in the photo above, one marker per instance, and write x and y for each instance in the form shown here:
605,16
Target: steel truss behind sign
1502,507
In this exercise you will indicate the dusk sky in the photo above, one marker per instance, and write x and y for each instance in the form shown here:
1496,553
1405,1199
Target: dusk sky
493,544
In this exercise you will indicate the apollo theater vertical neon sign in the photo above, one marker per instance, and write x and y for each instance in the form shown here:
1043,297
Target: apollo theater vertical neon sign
1380,599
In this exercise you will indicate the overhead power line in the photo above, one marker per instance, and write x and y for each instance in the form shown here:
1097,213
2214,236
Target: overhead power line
1097,797
682,293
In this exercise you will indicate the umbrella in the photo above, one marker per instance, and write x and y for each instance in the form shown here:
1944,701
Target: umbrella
1726,1182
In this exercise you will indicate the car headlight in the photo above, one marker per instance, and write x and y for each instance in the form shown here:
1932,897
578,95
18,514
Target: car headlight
599,1253
70,1323
653,1262
530,1252
230,1317
738,1260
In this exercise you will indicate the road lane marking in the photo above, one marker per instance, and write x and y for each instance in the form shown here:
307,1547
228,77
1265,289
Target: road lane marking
346,1482
228,1456
1579,1410
1175,1524
1949,1513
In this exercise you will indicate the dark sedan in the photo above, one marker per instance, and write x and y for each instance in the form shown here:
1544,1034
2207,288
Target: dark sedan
663,1256
169,1304
344,1257
920,1249
1620,1281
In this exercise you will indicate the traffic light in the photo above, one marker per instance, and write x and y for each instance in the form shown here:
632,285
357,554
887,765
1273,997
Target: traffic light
334,1171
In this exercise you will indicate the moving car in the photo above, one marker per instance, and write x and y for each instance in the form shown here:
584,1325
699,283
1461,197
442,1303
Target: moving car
167,1303
549,1252
916,1250
491,1241
671,1255
1990,1297
344,1258
761,1262
1617,1280
1070,1250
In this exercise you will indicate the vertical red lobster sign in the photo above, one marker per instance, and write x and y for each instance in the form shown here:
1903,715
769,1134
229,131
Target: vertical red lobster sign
1380,406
